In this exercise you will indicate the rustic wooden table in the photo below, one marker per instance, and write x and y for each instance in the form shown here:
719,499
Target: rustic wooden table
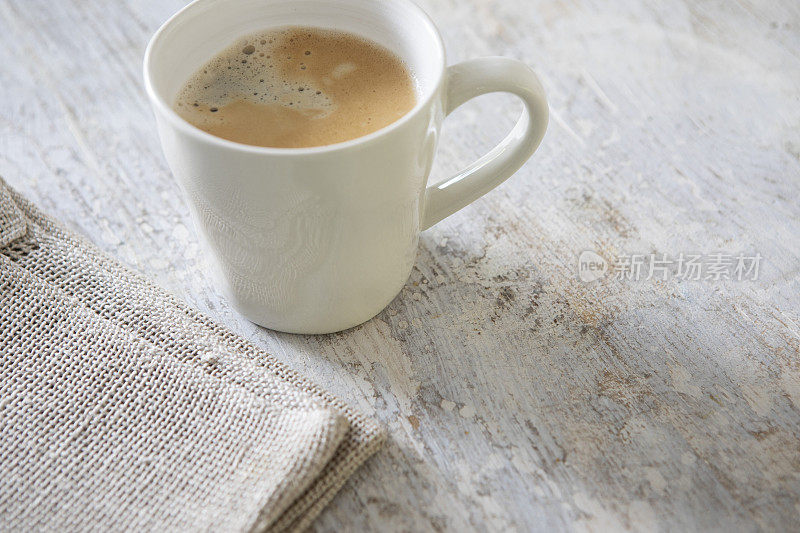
516,396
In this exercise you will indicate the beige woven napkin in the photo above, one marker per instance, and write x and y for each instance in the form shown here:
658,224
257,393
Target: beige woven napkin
122,408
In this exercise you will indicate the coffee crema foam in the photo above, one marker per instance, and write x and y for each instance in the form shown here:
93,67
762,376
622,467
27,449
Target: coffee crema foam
294,87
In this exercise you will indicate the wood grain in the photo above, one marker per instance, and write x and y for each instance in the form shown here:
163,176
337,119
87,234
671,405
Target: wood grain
516,397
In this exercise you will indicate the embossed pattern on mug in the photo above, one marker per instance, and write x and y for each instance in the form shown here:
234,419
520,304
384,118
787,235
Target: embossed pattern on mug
296,87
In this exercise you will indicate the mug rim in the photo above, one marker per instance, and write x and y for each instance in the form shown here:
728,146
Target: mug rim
186,127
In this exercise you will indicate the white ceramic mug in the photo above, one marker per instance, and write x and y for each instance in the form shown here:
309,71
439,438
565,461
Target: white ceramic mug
316,240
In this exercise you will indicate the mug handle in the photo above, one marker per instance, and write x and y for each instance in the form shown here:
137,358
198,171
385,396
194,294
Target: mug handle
466,81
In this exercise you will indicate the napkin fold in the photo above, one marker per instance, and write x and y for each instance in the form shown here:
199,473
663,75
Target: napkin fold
122,408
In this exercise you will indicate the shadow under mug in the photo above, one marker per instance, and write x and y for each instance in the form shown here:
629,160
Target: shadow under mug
320,239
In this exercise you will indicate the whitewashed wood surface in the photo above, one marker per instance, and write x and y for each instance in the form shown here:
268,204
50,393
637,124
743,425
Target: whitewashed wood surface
516,397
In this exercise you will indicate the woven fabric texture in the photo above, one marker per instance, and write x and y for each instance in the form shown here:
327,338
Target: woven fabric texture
122,408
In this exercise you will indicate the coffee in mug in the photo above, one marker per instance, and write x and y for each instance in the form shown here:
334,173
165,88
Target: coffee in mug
295,87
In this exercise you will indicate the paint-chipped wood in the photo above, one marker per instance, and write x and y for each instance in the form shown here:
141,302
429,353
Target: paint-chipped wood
516,396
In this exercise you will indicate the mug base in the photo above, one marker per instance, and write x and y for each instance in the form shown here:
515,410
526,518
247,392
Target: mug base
306,330
330,323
